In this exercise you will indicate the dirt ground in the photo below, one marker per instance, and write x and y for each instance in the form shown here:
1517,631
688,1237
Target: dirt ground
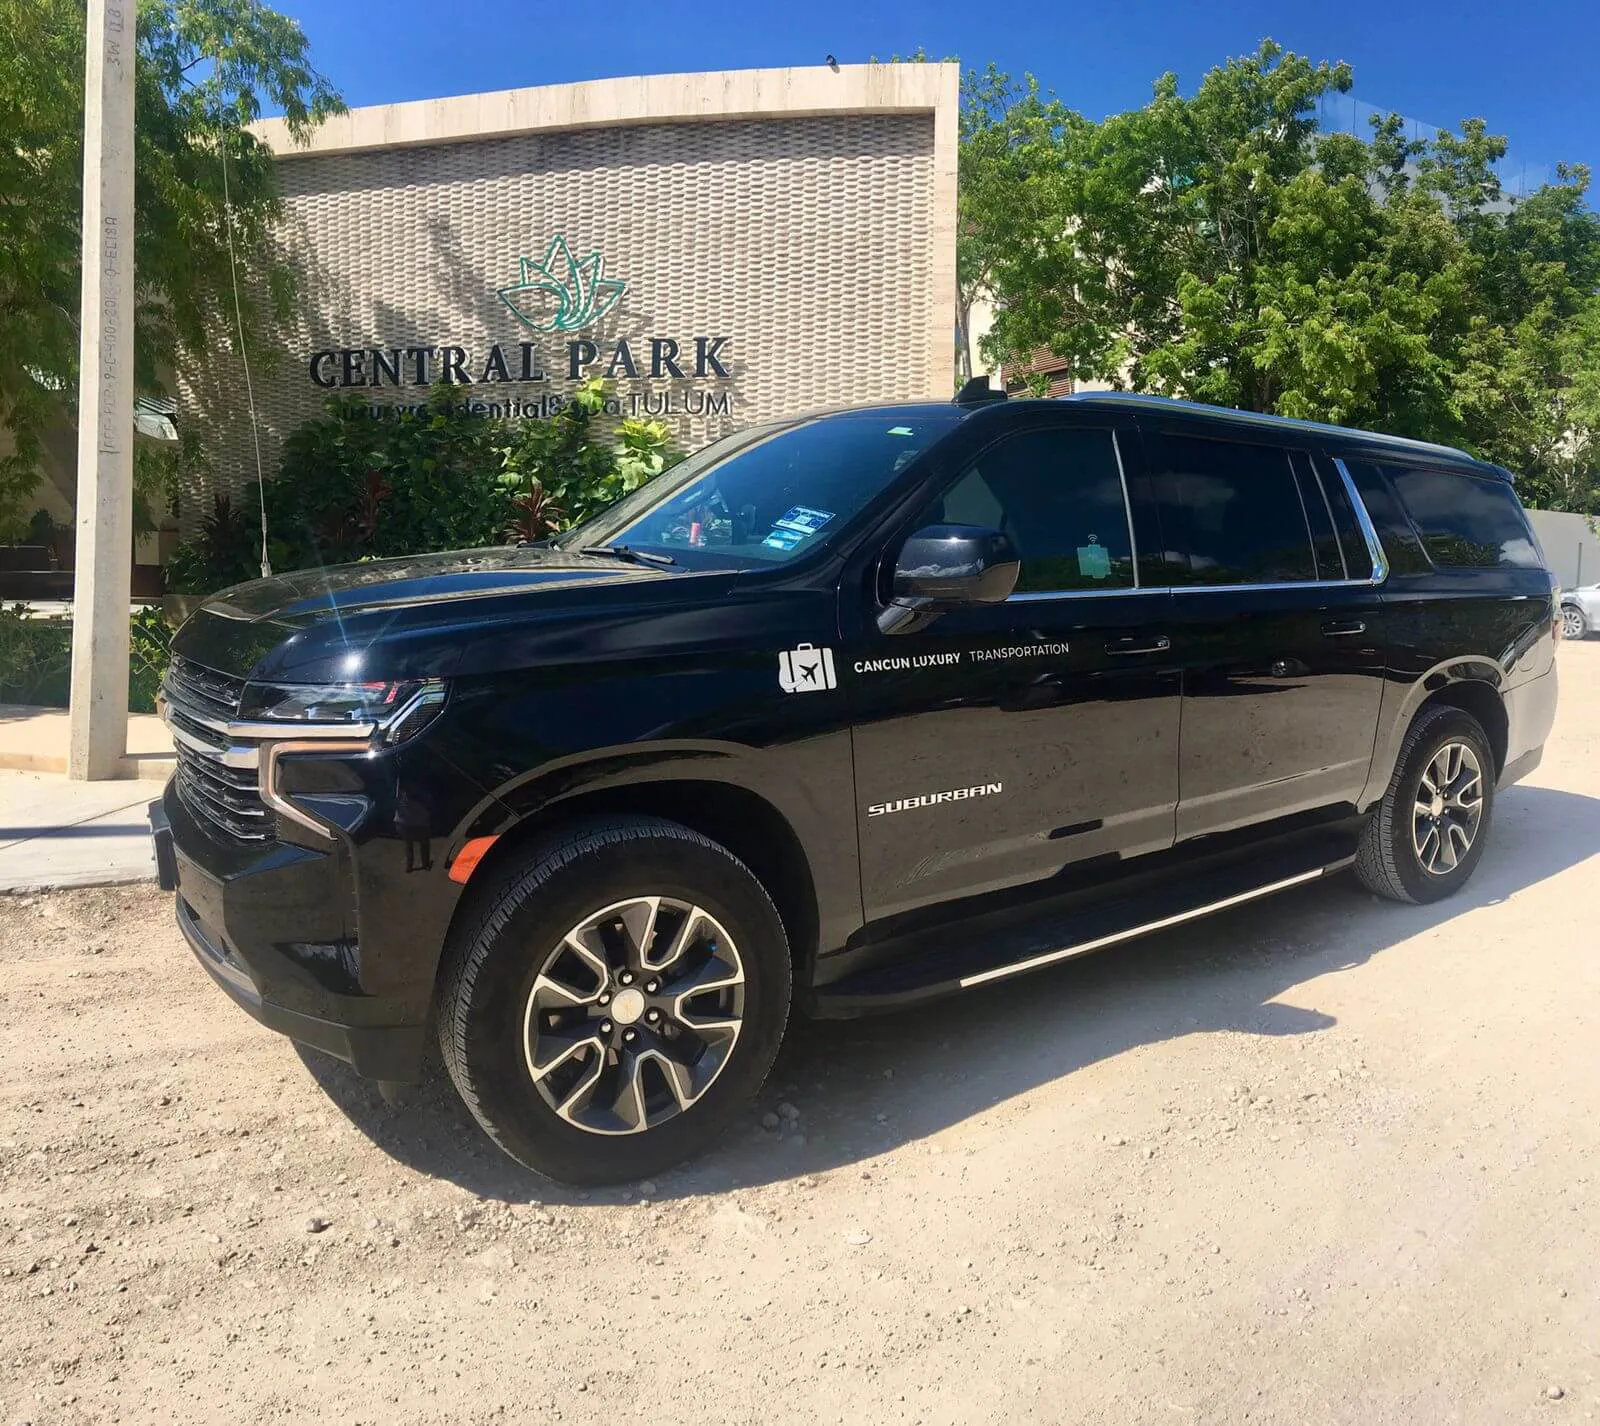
1320,1159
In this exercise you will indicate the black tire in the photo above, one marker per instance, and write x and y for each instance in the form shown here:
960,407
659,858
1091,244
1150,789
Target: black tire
1387,861
1574,625
502,944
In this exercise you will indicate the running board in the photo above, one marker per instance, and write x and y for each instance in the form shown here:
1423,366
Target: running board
906,970
1084,947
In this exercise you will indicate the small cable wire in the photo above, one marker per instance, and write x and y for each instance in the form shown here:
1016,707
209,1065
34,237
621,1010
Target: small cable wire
244,357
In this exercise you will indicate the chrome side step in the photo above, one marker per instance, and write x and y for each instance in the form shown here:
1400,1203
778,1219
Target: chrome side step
1083,948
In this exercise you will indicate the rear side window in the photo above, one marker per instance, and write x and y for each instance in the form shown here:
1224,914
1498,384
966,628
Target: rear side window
1232,512
1357,555
1058,495
1400,543
1466,521
1319,516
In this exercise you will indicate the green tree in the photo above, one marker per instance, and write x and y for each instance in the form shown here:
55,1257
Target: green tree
1219,246
1011,132
204,70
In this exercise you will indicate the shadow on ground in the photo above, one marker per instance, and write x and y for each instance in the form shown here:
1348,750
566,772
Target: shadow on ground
866,1086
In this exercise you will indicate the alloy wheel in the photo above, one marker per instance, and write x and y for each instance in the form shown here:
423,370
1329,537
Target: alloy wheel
1572,626
1448,809
634,1015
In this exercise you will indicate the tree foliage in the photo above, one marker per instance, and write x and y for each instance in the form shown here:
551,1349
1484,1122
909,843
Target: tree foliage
1221,247
204,70
351,486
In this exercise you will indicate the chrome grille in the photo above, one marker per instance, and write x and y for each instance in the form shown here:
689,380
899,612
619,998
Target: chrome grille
198,704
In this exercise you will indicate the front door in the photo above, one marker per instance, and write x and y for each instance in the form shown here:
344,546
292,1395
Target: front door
1279,628
1002,743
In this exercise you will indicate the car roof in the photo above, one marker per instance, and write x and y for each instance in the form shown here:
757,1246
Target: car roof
1284,425
1225,417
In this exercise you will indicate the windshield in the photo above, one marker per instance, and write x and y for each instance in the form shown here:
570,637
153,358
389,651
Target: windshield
767,494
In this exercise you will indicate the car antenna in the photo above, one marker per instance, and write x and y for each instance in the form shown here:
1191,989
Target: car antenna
976,390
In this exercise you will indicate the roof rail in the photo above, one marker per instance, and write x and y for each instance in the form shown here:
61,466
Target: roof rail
1258,418
977,390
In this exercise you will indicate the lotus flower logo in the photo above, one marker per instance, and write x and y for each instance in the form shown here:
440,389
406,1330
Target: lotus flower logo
560,293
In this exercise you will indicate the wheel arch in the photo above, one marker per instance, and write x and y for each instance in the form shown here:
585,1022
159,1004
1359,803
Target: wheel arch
1482,701
734,816
1474,685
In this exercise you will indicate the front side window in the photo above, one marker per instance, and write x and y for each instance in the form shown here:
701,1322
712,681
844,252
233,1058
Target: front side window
1466,521
1058,495
1232,512
768,494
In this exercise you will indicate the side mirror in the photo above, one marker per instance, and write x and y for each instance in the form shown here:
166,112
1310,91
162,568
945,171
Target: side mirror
948,566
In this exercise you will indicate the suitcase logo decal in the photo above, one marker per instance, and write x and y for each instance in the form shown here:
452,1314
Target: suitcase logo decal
806,669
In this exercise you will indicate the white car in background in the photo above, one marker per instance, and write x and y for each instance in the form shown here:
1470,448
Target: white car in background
1580,611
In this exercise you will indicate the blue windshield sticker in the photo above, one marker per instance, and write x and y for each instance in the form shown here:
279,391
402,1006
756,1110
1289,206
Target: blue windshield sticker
899,430
806,521
781,539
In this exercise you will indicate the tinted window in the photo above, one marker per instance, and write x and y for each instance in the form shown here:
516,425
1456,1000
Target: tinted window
1058,495
1400,543
770,493
1357,557
1466,522
1324,542
1232,512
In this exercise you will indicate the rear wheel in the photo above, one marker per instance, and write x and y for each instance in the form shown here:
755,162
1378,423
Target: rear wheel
1573,624
616,1001
1426,836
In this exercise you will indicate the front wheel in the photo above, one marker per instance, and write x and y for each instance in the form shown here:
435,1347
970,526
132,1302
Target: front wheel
1424,839
616,1001
1573,624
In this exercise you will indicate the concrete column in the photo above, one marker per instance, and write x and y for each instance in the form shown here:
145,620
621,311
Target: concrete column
104,574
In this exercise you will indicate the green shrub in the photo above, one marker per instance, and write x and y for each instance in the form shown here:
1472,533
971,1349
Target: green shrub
36,658
353,486
226,551
560,471
149,653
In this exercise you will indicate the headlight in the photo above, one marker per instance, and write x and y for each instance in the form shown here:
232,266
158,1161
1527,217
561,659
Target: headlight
397,710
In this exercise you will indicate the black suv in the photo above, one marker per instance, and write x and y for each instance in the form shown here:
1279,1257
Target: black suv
839,713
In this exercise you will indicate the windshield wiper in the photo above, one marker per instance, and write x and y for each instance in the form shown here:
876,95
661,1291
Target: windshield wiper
624,552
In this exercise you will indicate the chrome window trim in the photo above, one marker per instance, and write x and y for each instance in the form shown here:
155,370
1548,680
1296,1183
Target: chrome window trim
1274,584
1124,591
1127,514
1127,508
1369,532
1199,589
1322,490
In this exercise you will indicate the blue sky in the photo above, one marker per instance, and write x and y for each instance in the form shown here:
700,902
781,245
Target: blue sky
1528,68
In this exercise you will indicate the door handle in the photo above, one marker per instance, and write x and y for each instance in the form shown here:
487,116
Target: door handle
1335,628
1158,645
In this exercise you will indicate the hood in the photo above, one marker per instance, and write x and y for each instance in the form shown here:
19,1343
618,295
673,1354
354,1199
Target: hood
406,617
308,595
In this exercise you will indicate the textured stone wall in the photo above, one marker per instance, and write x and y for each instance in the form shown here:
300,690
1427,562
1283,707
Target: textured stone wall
810,244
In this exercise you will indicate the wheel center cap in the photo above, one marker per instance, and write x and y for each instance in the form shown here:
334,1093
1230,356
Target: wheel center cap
1437,809
627,1006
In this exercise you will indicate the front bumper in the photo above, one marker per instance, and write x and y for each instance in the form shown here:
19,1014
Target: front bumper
248,925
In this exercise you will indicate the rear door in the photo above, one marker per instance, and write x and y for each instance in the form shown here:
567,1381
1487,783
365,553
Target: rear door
1000,744
1277,624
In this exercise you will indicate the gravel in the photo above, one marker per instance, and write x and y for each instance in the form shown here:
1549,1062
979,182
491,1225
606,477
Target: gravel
1375,1174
